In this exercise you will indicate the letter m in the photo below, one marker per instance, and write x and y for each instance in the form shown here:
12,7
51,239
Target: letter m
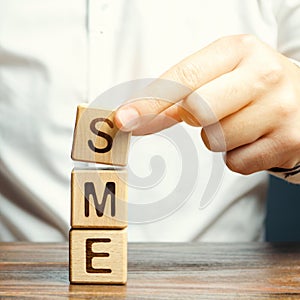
89,190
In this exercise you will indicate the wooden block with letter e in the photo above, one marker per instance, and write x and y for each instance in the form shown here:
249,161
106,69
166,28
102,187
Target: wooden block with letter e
97,139
99,198
98,256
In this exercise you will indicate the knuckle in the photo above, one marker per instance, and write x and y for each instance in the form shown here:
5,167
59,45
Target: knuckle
285,106
156,105
285,110
247,40
188,75
244,41
271,74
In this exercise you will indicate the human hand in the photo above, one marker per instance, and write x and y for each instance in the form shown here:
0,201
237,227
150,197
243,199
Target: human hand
244,95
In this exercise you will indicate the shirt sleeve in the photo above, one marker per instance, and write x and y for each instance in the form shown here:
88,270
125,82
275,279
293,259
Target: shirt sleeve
288,20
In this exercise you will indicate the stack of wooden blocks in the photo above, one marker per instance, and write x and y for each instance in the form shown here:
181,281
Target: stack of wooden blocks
98,235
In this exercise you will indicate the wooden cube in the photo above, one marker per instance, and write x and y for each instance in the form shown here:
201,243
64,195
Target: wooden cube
99,198
98,256
97,139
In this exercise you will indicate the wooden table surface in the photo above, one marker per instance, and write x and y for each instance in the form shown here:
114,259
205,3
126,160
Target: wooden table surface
159,271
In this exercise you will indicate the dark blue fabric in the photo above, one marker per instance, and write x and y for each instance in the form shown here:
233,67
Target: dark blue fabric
283,211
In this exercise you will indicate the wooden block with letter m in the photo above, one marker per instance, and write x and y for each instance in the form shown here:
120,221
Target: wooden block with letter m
97,139
99,198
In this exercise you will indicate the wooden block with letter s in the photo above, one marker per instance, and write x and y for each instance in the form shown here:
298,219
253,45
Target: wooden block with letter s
98,256
99,198
97,139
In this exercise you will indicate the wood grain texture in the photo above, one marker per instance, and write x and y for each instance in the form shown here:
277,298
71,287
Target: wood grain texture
159,271
99,198
98,256
97,139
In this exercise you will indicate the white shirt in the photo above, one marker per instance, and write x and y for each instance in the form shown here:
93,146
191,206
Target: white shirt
55,56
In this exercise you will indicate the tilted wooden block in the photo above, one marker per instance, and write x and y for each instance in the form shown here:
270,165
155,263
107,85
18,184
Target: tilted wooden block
97,139
98,256
99,198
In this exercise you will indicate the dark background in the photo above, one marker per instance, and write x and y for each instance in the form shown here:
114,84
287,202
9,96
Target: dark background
283,211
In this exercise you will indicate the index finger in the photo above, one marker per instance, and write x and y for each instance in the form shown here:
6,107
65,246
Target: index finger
218,58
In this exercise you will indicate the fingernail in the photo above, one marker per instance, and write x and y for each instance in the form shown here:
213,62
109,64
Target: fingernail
129,118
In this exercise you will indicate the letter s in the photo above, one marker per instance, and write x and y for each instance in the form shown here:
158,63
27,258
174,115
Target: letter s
102,134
